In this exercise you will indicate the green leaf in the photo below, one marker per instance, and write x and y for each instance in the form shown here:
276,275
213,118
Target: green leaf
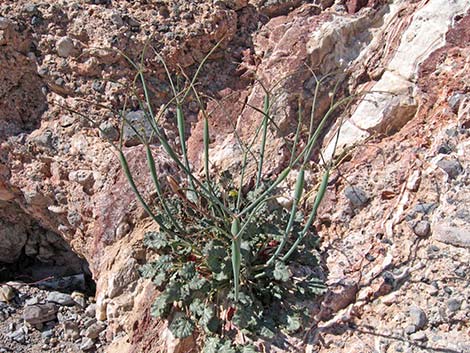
181,326
173,290
212,345
199,283
155,240
197,307
293,323
227,348
163,263
148,270
248,349
188,271
161,306
159,279
281,272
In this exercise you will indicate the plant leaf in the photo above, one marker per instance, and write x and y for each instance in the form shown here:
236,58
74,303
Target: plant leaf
293,323
155,240
148,270
181,326
281,272
161,306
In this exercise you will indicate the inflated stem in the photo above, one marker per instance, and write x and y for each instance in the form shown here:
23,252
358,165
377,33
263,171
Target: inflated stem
236,255
313,214
263,138
299,187
130,179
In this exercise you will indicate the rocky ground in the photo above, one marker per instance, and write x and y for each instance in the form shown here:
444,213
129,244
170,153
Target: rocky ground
394,224
36,318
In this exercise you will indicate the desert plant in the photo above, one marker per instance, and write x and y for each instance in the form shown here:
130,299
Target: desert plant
230,256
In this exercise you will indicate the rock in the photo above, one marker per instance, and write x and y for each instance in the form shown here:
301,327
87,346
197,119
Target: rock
83,177
419,336
71,330
451,166
94,330
37,314
7,293
454,304
60,298
456,236
137,124
79,298
410,329
12,240
356,196
422,228
87,344
90,311
65,47
4,23
19,335
454,101
417,317
108,131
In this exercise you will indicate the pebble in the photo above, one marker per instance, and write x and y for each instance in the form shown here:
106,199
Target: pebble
60,298
37,314
90,311
419,336
422,229
417,317
4,23
356,196
451,166
7,293
410,329
79,298
94,330
87,344
454,101
454,304
65,47
108,131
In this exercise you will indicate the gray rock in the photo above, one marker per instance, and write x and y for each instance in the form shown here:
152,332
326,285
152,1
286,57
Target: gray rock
451,166
417,317
37,314
19,335
410,329
4,23
456,236
419,336
13,237
137,124
108,131
90,311
454,101
425,208
422,228
94,330
60,298
65,47
87,344
356,196
454,304
47,334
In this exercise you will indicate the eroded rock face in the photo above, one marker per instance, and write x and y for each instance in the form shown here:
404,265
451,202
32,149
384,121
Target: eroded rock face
61,171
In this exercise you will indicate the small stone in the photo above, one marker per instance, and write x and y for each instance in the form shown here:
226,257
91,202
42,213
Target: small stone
7,293
79,298
65,47
356,196
454,304
108,131
422,229
87,344
90,311
137,124
4,23
60,298
454,101
417,317
419,336
456,236
451,166
410,329
37,314
94,330
425,208
47,334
